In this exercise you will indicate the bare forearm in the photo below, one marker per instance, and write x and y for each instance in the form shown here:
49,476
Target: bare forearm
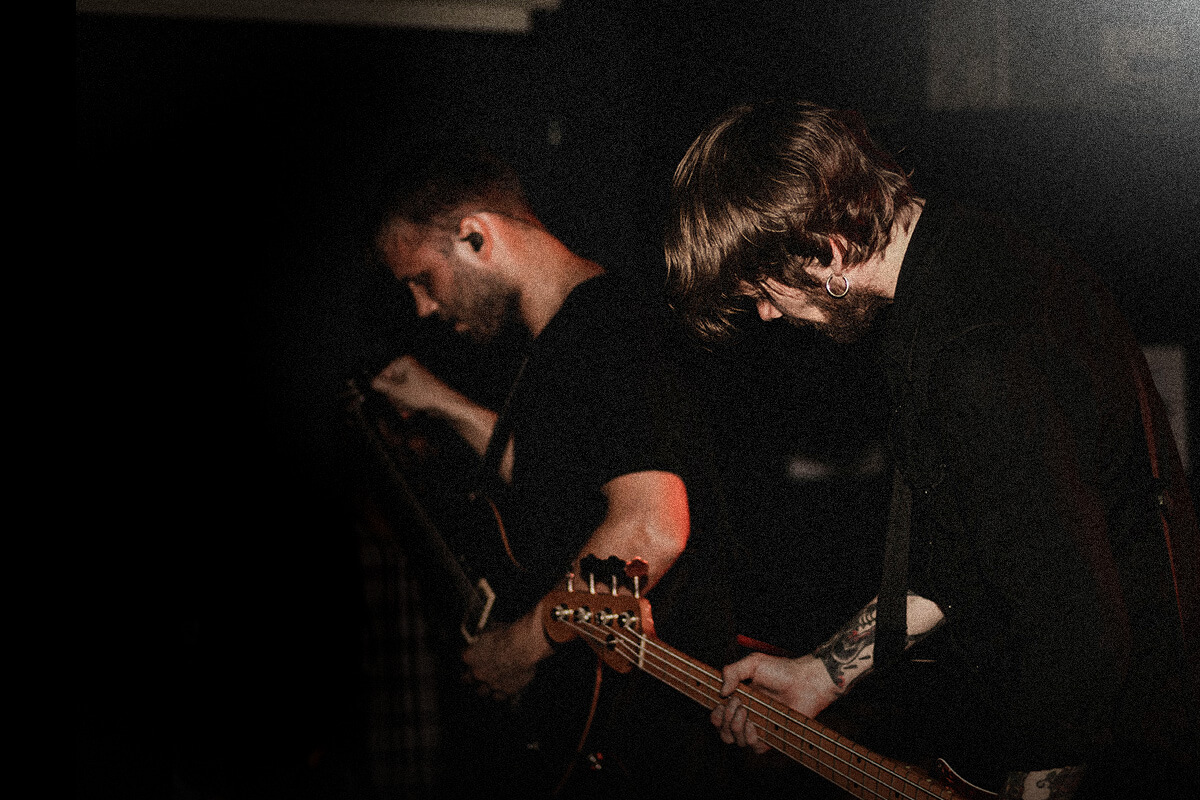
411,388
647,518
473,422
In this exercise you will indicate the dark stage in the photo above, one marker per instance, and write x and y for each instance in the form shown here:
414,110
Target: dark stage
236,616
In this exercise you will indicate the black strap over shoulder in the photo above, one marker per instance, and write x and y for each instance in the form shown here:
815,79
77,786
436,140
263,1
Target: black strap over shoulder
1181,532
490,465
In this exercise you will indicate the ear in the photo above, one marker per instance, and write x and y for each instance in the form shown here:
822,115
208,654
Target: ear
837,246
476,237
819,271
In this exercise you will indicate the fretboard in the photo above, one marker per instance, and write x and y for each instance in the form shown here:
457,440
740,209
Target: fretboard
857,770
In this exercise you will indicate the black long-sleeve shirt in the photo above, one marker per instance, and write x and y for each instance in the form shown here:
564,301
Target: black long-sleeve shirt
1016,423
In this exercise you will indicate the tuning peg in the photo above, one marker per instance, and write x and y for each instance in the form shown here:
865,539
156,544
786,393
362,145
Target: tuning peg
637,569
590,566
614,568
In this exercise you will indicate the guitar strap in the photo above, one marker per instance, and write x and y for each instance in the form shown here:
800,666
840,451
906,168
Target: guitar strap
891,627
490,465
1181,533
489,469
1174,504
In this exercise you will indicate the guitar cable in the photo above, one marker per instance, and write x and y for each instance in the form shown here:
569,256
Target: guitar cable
587,728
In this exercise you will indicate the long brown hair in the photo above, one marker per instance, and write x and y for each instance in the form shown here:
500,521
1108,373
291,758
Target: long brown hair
759,194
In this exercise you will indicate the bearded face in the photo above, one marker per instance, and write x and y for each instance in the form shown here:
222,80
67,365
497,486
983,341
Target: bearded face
483,306
847,319
478,303
844,319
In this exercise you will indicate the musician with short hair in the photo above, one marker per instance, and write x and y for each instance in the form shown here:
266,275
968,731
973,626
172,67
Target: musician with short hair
607,456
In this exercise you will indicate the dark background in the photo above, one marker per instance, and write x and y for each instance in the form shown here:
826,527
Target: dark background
222,167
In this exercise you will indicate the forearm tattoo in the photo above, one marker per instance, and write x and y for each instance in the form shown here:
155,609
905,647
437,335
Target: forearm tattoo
845,656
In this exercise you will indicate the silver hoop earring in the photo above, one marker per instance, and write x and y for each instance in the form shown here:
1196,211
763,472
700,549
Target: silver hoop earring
829,286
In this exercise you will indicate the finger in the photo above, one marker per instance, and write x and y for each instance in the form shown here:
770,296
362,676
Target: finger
720,718
738,726
393,368
730,723
750,732
738,671
726,735
727,713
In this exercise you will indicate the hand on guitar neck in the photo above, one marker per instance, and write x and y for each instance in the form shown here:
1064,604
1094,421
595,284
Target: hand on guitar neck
618,626
413,389
503,659
803,684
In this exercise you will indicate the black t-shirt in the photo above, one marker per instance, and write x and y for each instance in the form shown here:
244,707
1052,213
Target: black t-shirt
606,393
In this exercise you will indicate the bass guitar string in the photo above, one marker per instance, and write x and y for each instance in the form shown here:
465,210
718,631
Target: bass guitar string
635,649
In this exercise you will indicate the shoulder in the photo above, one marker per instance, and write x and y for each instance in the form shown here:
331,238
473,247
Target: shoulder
976,279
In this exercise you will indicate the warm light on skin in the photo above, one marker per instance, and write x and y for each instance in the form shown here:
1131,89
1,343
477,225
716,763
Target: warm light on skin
415,263
426,305
845,318
463,284
767,311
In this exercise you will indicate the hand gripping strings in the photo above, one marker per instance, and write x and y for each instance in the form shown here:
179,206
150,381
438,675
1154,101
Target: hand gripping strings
703,684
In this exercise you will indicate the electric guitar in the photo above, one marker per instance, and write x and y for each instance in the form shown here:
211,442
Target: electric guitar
455,536
457,547
616,622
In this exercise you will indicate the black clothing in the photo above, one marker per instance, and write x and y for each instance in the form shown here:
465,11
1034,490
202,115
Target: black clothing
1016,424
603,394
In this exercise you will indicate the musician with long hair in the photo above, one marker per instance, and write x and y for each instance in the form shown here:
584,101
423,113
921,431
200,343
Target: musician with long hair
1026,534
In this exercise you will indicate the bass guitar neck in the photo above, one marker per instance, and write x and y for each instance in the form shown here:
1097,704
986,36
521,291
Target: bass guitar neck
468,593
619,627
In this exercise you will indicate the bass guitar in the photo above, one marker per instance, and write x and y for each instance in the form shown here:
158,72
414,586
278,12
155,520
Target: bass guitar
607,611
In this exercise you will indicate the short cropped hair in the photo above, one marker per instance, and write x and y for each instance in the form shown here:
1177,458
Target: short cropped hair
438,182
759,194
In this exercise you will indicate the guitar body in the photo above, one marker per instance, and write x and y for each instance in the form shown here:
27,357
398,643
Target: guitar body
961,785
455,547
418,482
529,747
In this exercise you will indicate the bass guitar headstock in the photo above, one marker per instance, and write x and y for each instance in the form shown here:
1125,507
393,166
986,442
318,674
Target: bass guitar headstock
604,607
